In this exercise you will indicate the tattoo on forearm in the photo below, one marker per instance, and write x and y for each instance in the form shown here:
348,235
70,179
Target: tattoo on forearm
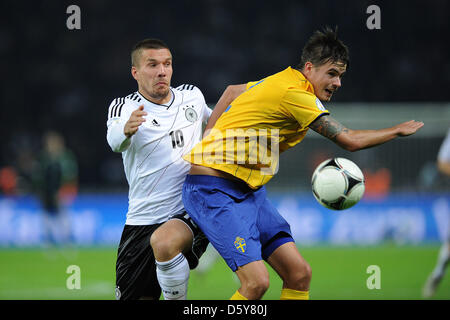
328,127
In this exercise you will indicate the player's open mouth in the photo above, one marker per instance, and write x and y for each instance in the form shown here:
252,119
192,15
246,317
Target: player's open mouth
330,92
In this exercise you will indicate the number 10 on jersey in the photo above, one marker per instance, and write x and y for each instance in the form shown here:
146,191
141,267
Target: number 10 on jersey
177,138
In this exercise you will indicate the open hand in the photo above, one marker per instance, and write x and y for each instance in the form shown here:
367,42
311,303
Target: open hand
408,128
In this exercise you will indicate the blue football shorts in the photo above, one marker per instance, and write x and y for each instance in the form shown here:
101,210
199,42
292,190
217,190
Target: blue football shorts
240,223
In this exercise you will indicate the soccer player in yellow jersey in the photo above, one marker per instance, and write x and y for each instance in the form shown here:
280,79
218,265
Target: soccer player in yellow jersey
250,126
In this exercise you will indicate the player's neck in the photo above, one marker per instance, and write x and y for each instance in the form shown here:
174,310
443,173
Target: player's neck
162,100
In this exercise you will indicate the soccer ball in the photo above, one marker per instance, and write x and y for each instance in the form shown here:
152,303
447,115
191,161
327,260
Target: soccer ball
338,183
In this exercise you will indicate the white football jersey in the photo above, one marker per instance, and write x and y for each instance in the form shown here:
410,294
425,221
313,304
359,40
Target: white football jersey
152,157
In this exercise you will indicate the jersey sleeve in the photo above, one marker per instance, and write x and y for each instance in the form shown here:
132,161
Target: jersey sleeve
119,112
303,106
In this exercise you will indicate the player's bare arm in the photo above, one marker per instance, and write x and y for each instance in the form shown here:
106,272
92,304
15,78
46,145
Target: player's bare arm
230,93
354,140
135,120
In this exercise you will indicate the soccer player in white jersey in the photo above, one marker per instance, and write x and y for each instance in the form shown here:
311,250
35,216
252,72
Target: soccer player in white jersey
153,128
436,276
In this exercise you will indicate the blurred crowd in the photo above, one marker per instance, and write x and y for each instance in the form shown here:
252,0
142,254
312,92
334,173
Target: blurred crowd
64,80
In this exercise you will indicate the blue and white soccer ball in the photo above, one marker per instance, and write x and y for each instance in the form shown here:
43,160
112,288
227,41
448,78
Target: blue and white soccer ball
338,184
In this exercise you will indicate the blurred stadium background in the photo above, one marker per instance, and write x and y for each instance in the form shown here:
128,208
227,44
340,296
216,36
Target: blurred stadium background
63,80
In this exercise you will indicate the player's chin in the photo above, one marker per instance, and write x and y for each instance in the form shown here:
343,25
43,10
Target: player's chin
325,97
162,92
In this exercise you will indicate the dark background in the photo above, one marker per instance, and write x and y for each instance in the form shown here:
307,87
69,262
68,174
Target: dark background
60,79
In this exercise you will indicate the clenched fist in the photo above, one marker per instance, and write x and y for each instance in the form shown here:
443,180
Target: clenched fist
133,124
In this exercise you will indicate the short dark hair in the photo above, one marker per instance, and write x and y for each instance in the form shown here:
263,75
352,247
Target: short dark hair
145,44
322,47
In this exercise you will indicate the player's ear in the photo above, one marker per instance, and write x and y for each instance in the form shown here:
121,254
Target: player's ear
307,68
134,72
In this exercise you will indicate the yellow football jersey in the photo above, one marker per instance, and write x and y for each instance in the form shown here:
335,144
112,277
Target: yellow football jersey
271,116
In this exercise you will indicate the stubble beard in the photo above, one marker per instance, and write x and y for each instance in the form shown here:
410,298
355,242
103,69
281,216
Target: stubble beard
156,94
159,94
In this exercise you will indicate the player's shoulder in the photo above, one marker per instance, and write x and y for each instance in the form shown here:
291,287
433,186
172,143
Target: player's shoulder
302,97
190,93
186,87
132,98
189,89
119,104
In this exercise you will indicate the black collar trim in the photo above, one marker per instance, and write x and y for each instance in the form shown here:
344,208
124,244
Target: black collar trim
162,105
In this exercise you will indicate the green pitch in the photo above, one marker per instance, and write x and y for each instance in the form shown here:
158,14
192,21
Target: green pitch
338,273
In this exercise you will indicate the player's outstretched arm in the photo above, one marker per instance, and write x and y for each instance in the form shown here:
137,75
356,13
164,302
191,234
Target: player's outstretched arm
230,93
354,140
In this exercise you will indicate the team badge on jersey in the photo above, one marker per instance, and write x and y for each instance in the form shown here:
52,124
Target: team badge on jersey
190,114
320,105
240,244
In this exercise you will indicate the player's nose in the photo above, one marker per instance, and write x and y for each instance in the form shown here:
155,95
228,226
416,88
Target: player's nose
337,82
161,70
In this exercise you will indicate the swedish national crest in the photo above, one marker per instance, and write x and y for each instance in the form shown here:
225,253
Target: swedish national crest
240,244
